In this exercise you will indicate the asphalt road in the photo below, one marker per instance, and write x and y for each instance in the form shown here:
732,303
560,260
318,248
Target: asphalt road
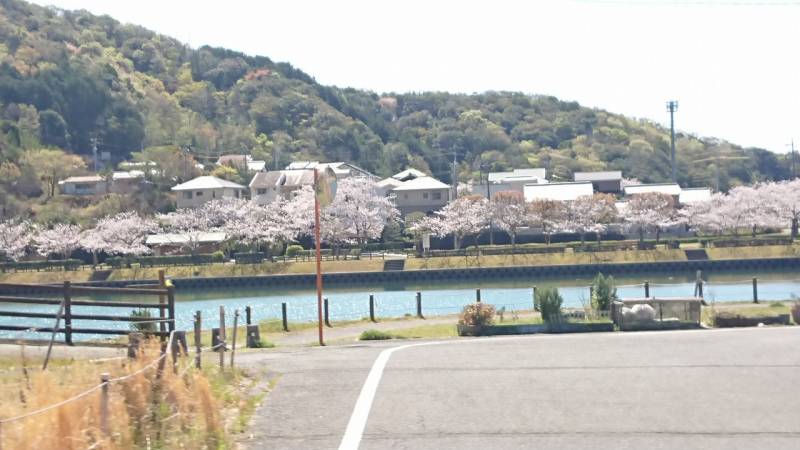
703,389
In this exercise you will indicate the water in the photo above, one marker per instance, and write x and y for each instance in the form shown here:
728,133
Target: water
398,299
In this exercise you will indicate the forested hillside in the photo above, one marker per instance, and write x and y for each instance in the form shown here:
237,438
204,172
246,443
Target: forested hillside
68,77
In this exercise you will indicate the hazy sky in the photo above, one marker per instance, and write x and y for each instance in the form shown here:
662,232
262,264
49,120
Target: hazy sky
732,65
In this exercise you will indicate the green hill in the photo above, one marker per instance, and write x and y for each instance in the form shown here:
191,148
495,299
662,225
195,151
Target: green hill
68,77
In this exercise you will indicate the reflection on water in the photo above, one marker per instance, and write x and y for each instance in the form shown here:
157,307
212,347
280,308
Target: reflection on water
438,298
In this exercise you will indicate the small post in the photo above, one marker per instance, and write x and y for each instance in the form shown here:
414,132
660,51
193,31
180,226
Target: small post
248,315
253,336
67,313
162,284
104,428
591,292
372,307
178,347
646,289
755,290
325,311
285,319
419,305
221,337
135,344
171,308
478,295
235,326
198,323
533,294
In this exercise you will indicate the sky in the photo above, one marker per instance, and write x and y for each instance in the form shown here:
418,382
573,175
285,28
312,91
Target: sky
732,65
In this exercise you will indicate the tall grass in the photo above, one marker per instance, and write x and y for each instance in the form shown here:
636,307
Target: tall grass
156,409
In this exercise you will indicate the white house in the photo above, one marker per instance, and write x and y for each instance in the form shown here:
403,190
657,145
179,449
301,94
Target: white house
341,169
422,194
204,189
266,187
608,182
694,195
117,183
664,188
557,191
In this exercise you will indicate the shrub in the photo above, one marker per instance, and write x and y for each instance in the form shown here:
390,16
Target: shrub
294,250
374,335
218,256
550,302
604,292
478,314
143,313
264,344
796,312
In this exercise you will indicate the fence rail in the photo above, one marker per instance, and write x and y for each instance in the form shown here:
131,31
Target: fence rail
66,312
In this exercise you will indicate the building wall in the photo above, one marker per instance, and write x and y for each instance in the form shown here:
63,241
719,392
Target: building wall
423,200
207,195
126,186
608,186
90,188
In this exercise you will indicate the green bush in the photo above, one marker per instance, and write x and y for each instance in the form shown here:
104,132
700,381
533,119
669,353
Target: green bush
249,258
65,264
218,256
477,314
264,344
143,313
294,250
374,335
550,302
604,292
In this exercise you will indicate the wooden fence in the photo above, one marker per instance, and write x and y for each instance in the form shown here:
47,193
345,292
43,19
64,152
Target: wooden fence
69,309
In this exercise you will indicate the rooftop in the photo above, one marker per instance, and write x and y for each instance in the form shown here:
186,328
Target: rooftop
694,195
612,175
499,177
420,183
83,179
409,174
557,191
266,179
664,188
206,182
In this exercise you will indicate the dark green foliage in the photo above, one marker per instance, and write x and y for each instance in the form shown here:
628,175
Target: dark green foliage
64,264
294,250
550,301
143,313
374,335
604,291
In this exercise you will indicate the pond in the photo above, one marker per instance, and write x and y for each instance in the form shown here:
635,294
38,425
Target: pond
441,298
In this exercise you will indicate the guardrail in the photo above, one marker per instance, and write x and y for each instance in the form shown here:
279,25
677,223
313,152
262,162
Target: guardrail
69,308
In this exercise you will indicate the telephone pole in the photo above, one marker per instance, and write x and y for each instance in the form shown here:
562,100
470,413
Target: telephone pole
454,188
672,106
794,172
94,153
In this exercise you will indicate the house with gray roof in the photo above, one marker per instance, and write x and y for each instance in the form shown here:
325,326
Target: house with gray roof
266,187
608,182
197,191
422,194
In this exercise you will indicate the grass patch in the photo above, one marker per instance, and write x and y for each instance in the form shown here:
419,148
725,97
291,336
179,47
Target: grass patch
441,330
745,309
374,335
762,251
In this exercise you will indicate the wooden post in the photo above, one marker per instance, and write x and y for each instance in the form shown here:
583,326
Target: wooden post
198,327
162,284
135,344
171,308
591,292
646,289
104,428
235,326
248,313
221,337
283,316
478,295
755,290
325,312
55,327
533,294
372,307
253,336
67,313
419,305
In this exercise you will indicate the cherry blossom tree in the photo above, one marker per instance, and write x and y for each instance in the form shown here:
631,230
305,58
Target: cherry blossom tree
589,214
360,210
121,234
707,216
548,215
652,211
510,213
262,225
191,224
15,237
462,217
783,199
61,239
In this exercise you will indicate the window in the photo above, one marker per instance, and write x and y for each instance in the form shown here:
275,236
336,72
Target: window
261,191
198,194
437,195
425,195
187,194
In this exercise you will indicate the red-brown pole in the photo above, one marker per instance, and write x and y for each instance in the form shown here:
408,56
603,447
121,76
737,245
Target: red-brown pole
319,258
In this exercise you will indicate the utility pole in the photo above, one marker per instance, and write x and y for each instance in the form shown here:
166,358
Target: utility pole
488,198
454,177
94,153
672,106
794,172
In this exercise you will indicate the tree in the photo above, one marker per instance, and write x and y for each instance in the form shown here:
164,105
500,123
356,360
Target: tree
462,217
15,237
547,215
650,212
590,214
259,225
360,209
510,213
190,224
51,166
121,234
784,201
170,164
61,239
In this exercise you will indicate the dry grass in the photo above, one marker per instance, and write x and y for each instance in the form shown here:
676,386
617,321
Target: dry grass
764,251
56,276
154,409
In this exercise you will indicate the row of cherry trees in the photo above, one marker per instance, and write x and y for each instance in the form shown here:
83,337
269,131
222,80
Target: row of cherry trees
358,214
745,208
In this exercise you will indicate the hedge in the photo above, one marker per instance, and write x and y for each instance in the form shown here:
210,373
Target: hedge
249,258
64,264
